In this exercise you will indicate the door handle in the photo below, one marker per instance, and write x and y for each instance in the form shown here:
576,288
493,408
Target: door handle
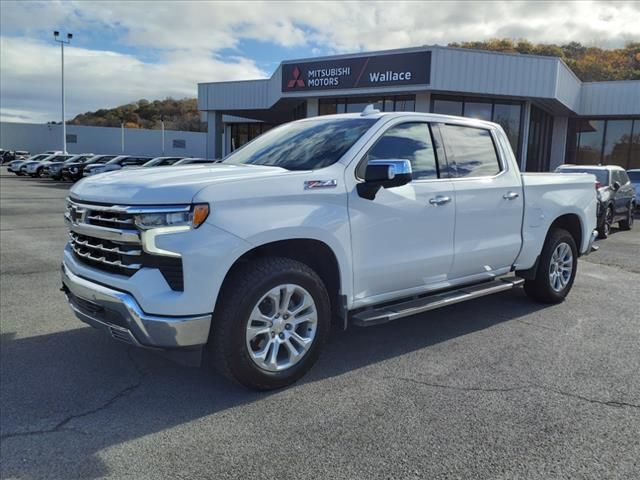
439,200
510,195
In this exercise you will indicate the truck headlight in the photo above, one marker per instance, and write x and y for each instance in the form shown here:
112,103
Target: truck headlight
192,218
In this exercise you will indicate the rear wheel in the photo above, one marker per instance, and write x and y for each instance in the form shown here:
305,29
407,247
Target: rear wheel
270,323
556,269
627,224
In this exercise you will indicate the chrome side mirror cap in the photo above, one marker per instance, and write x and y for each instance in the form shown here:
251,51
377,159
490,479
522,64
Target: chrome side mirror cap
386,173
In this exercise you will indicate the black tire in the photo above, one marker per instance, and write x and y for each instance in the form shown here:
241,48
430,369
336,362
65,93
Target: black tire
628,223
604,229
540,288
228,351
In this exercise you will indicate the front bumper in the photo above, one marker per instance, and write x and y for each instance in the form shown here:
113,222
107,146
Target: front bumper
119,314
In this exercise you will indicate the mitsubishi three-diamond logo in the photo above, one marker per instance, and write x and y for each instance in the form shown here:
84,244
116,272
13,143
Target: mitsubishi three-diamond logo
295,81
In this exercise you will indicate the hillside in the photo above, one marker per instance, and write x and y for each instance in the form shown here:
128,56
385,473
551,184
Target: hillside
178,115
590,64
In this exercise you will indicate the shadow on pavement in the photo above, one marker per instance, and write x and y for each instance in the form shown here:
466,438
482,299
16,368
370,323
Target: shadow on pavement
83,392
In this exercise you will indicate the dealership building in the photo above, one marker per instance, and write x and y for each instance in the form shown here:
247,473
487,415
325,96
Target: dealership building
550,116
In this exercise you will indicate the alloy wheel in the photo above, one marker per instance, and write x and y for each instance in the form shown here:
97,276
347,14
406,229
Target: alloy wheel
282,327
561,267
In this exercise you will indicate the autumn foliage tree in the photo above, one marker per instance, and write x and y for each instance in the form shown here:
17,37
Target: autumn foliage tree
590,64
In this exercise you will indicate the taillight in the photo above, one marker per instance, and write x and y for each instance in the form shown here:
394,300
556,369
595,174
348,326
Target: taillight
598,185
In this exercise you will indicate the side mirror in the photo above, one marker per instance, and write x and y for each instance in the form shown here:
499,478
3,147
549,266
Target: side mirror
616,185
384,174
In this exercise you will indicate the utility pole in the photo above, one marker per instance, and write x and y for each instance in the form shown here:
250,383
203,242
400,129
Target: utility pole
62,43
122,135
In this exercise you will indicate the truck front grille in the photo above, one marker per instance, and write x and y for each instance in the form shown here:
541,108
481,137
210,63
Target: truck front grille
105,237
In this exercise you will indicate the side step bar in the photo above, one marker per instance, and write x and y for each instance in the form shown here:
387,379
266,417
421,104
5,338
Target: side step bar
376,316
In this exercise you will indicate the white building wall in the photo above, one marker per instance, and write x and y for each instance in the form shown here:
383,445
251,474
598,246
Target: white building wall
37,138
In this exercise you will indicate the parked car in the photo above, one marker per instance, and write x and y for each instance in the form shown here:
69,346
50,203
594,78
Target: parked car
14,166
35,169
616,202
53,170
162,161
634,176
357,217
21,154
121,161
194,161
74,171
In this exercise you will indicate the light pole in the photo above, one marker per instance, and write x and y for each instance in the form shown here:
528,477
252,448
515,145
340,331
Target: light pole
122,135
162,127
62,43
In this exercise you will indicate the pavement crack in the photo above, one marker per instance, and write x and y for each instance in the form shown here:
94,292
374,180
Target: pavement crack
459,388
607,403
62,425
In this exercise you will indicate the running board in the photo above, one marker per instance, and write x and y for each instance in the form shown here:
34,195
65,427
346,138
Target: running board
376,316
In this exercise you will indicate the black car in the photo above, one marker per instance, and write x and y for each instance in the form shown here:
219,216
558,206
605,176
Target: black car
74,171
616,195
54,169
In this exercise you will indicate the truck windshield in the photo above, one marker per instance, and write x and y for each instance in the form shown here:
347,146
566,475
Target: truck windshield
306,145
602,176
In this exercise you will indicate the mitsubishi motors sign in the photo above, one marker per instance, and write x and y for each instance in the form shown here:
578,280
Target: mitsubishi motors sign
360,72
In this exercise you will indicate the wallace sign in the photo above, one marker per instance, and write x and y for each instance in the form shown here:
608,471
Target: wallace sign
359,72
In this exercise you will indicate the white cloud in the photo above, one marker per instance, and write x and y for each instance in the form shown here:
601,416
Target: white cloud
30,78
186,36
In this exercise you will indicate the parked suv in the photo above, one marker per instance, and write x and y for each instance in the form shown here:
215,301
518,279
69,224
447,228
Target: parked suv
354,218
53,170
36,169
121,161
616,195
162,161
14,165
75,170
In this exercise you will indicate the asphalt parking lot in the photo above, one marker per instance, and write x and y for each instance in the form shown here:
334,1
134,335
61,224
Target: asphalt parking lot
495,388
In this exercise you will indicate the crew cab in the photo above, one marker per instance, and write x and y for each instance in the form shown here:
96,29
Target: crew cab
346,219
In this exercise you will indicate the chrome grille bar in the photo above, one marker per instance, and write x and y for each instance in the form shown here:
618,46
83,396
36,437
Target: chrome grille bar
103,260
100,218
101,247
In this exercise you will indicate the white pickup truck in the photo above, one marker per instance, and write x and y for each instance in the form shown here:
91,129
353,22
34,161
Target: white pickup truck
356,218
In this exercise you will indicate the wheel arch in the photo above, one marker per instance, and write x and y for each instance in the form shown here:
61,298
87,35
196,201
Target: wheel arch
572,223
316,254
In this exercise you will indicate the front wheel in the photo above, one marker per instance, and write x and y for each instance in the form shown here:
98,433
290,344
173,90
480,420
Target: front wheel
270,323
556,270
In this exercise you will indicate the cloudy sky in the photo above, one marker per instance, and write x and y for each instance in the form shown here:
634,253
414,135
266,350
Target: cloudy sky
126,50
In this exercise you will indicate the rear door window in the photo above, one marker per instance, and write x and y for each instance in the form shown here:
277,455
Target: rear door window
471,150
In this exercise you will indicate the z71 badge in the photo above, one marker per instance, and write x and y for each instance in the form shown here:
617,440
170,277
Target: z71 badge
312,184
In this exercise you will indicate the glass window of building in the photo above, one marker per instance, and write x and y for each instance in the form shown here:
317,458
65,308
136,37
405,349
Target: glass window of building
397,103
479,110
617,142
410,141
447,107
472,150
508,115
590,137
634,158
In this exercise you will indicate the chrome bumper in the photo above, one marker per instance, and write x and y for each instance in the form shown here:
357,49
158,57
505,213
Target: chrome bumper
119,314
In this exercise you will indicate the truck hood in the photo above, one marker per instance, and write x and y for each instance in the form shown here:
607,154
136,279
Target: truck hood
163,185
